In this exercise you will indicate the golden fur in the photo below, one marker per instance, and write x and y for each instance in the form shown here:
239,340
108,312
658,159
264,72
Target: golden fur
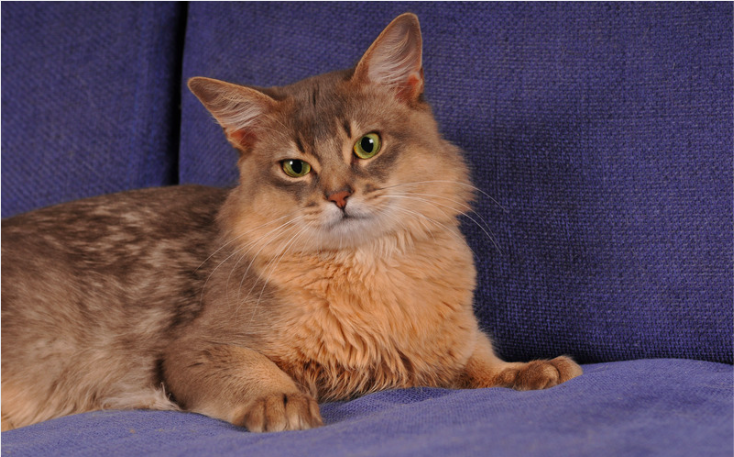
253,305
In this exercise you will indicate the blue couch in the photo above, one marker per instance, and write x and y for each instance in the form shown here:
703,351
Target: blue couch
600,133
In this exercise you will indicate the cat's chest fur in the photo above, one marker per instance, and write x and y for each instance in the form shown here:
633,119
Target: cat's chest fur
375,318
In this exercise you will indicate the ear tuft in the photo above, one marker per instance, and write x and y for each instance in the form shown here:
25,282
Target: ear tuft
238,109
395,58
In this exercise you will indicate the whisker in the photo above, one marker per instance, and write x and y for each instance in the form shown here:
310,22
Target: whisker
485,228
263,241
243,234
401,222
270,268
271,237
473,187
443,226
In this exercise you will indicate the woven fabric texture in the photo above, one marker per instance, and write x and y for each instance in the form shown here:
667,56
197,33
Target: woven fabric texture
602,134
640,408
89,104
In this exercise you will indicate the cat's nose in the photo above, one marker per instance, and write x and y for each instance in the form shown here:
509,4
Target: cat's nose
339,198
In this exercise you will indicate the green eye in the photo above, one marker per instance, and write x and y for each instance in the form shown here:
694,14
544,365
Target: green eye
296,168
368,146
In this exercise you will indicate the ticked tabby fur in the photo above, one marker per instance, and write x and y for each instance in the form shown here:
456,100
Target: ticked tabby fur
335,268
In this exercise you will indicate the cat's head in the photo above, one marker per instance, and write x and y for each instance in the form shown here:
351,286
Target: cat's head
340,159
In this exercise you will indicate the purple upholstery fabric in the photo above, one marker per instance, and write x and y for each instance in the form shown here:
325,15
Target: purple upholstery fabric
639,408
603,132
89,100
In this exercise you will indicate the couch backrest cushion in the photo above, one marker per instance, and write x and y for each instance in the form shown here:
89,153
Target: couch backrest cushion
89,100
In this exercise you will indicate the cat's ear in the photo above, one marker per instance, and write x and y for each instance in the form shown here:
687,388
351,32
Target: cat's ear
238,109
394,59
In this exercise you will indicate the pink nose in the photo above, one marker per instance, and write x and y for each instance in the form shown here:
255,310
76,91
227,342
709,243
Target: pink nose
339,198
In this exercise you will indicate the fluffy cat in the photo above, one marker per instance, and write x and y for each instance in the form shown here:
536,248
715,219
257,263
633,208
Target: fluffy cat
335,268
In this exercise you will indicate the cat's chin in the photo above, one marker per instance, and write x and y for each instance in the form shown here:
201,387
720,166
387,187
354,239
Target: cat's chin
348,230
349,225
345,221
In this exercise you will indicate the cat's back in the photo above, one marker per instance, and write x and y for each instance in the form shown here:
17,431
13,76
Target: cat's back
114,224
100,258
165,209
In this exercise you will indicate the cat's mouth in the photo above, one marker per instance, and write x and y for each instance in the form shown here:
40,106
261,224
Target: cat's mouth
345,219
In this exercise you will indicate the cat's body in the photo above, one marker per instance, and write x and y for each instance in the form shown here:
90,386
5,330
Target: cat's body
335,268
93,292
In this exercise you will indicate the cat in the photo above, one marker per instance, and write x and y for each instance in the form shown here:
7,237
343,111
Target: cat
334,269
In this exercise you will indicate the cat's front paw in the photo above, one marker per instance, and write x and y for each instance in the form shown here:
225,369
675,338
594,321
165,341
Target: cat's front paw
279,411
541,374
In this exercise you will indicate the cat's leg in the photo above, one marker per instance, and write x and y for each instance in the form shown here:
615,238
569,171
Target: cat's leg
7,424
240,386
485,369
